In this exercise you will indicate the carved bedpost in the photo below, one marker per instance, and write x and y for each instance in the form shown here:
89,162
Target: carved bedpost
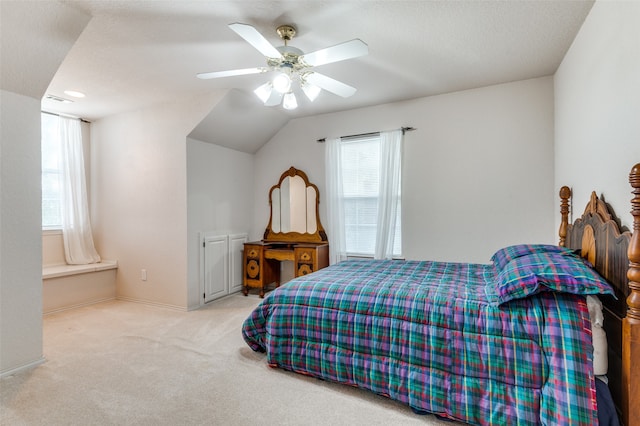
633,301
565,194
631,323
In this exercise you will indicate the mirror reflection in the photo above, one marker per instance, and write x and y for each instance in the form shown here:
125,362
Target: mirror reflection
294,209
275,211
312,223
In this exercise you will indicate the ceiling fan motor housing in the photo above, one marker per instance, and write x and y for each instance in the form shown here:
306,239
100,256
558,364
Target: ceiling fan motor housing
290,54
289,60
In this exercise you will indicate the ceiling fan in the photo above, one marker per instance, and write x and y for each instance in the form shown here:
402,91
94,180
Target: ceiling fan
292,66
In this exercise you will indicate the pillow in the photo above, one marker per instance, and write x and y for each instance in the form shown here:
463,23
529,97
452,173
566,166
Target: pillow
598,336
546,271
503,256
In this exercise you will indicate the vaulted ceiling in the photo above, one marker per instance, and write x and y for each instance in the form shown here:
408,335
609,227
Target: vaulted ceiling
136,53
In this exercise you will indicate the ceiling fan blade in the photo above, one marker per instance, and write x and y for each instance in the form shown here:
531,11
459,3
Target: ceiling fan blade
339,52
257,40
330,85
218,74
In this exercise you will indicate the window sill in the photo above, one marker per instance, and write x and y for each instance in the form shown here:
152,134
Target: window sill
54,271
51,231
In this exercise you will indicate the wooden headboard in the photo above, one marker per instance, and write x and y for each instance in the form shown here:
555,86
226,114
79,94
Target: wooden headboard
615,253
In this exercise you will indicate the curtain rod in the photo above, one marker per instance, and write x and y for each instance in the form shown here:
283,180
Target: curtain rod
66,116
404,130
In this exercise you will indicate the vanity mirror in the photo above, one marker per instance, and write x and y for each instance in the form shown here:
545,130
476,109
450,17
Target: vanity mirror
294,210
294,233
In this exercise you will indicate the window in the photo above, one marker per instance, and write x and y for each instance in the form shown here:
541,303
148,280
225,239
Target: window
51,173
64,195
360,164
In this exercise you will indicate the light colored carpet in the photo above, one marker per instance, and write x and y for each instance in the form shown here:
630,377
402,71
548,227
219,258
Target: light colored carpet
122,363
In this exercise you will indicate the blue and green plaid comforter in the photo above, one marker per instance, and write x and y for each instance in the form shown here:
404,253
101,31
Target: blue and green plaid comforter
430,335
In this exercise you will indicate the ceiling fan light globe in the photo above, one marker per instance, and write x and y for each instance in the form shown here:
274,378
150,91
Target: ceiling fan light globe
312,91
289,101
281,82
264,92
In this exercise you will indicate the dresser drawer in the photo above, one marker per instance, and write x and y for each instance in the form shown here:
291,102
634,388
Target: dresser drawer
306,260
305,255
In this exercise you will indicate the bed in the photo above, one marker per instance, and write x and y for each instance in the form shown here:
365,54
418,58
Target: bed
508,342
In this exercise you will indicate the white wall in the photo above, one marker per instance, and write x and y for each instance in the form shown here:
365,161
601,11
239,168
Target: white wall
20,232
478,171
139,197
219,199
597,95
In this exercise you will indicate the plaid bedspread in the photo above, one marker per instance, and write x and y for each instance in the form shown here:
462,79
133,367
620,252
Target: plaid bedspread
426,334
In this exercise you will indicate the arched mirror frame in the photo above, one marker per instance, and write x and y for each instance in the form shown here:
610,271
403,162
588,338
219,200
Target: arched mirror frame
319,236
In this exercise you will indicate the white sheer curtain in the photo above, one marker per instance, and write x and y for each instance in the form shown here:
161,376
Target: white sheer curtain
389,192
335,203
76,226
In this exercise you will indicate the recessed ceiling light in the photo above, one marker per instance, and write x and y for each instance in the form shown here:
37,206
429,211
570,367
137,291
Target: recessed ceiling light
74,93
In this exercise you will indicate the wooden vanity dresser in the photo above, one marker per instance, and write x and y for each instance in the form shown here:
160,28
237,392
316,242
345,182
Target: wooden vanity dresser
294,233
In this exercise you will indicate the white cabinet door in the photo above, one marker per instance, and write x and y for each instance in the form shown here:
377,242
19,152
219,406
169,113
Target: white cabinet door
215,266
236,247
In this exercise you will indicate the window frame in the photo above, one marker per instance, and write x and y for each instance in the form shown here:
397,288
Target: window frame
372,139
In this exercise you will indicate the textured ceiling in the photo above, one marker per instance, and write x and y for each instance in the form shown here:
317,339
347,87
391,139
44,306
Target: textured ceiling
136,53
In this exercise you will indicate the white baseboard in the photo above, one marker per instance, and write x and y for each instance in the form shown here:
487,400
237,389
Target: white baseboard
78,305
28,366
150,303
